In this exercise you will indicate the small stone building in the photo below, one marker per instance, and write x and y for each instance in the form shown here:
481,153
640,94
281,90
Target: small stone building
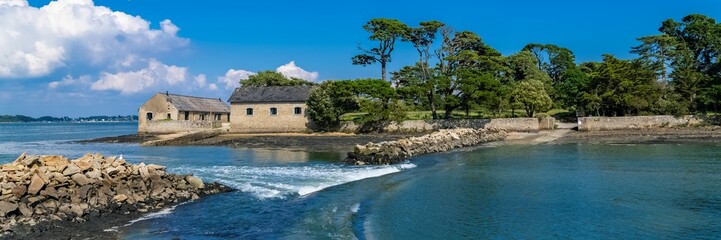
269,109
166,113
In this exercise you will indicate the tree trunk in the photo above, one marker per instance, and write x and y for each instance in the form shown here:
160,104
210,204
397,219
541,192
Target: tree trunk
433,105
383,70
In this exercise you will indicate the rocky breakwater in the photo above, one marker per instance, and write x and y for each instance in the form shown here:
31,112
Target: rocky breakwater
391,152
40,193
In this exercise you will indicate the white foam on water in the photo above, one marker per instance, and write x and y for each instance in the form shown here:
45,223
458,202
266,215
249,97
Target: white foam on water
355,208
284,181
158,214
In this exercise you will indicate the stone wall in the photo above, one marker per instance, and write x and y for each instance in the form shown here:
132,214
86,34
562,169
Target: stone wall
173,126
637,122
262,121
508,124
391,152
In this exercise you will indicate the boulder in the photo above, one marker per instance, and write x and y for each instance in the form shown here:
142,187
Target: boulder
71,169
25,210
55,161
52,188
36,184
30,160
19,191
120,198
81,179
194,182
50,192
82,192
83,164
6,207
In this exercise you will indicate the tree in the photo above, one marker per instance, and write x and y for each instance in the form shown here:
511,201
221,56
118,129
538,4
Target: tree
422,38
657,52
521,67
532,95
386,32
696,63
625,87
271,78
321,109
466,65
552,59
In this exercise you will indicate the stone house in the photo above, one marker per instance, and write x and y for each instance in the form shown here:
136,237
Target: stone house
166,113
269,109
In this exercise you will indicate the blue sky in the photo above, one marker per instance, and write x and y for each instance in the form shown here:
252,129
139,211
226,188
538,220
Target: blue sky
106,57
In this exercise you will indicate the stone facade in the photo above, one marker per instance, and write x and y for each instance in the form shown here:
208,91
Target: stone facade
160,115
174,126
637,122
285,119
508,124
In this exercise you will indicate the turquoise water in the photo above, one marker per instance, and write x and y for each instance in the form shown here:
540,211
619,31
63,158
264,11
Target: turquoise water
574,191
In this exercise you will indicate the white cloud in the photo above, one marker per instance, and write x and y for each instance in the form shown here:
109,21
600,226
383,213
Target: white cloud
290,70
200,80
232,78
20,3
212,86
69,81
37,41
156,74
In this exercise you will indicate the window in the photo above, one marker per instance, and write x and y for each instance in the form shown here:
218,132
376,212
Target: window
187,115
217,117
202,117
273,111
149,116
297,111
249,111
168,116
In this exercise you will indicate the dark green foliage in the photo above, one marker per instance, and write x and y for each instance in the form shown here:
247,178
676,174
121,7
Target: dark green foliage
677,72
271,78
332,99
532,96
386,32
696,44
322,111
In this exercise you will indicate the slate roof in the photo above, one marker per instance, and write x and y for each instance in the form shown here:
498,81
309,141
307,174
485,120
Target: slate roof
270,94
197,104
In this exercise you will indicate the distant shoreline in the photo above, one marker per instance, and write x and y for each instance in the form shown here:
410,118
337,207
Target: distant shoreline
72,122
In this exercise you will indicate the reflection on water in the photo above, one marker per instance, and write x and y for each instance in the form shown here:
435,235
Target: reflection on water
260,155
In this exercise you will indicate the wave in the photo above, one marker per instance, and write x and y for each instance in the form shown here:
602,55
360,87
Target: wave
281,182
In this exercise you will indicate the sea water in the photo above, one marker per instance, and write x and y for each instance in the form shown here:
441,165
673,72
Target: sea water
571,191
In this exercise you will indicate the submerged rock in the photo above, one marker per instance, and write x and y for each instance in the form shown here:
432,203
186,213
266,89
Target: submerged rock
391,152
51,191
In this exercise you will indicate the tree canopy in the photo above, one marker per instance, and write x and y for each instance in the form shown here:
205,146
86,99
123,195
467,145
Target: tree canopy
676,71
271,78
